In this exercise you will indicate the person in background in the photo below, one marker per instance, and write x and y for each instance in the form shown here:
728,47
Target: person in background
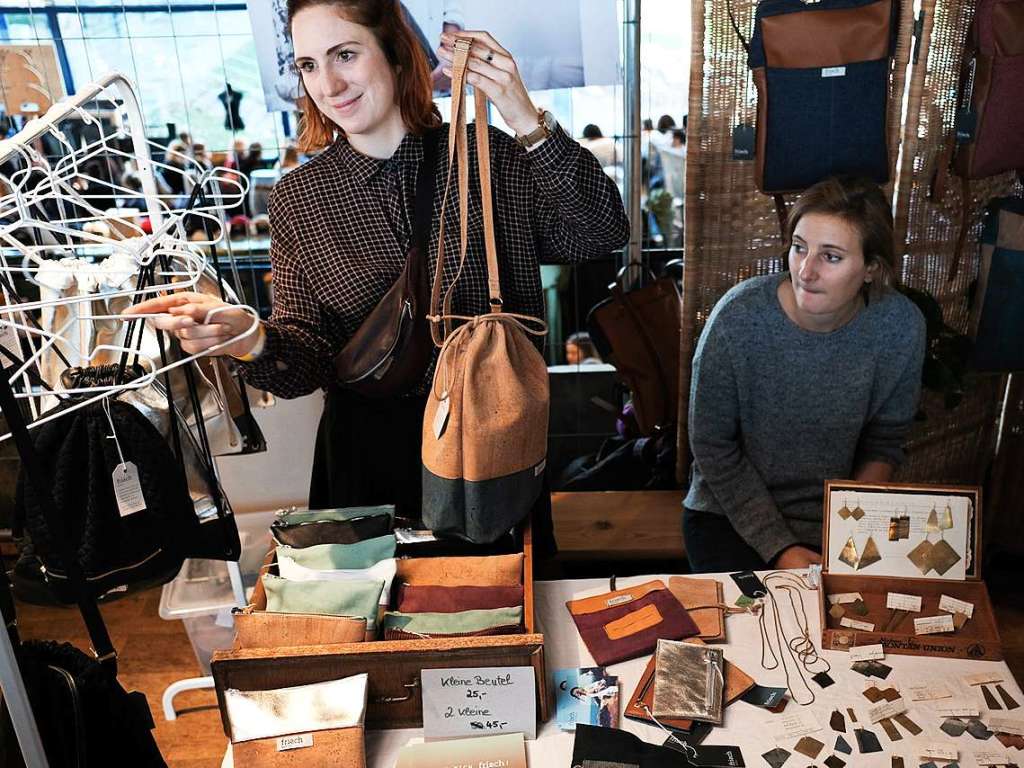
800,377
288,160
601,146
580,350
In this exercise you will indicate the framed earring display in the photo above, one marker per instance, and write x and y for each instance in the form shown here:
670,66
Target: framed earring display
911,555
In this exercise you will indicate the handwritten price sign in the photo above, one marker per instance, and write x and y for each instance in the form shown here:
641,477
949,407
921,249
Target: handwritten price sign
471,702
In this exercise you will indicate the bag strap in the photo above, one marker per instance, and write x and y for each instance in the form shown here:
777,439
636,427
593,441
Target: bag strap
423,206
458,156
98,635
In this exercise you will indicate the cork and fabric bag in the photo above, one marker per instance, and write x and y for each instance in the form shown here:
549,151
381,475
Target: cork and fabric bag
486,421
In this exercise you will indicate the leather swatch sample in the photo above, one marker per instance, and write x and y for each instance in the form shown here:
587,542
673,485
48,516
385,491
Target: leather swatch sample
692,594
1008,700
978,730
611,631
776,758
890,729
689,681
837,722
834,761
990,698
912,728
897,761
808,746
842,745
599,746
867,741
953,726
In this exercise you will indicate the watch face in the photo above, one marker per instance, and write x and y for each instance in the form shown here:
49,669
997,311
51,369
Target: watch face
549,120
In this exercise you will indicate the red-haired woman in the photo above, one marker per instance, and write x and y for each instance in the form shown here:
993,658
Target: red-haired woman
341,227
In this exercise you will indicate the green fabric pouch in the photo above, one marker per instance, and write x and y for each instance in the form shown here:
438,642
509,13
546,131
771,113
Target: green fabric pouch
460,623
326,598
333,557
290,517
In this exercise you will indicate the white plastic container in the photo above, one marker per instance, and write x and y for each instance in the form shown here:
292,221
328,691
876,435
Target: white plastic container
201,596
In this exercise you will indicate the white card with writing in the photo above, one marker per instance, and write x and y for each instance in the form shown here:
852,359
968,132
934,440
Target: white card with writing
930,692
1006,724
479,702
846,621
991,758
845,597
900,602
940,751
931,625
981,678
951,604
791,725
957,708
884,709
128,489
867,652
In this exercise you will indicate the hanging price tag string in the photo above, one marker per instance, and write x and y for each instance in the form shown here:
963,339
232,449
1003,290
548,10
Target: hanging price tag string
127,488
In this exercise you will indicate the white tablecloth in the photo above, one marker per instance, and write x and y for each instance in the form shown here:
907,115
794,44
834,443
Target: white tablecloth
745,725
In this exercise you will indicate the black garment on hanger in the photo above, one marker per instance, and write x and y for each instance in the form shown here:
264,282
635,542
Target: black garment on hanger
231,100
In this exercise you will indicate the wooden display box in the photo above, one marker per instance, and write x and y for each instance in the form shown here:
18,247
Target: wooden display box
894,571
393,666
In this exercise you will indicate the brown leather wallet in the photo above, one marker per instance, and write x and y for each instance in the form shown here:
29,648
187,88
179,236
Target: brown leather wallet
641,703
487,571
694,593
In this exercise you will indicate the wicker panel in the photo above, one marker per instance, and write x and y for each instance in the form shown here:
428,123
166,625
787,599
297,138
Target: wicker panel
731,229
958,444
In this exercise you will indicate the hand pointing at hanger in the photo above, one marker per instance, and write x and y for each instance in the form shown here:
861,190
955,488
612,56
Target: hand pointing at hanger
492,69
186,314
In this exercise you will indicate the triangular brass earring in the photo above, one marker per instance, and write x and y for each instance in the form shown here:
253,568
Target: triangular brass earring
871,554
849,554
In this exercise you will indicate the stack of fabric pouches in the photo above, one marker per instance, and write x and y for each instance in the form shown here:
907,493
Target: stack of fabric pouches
342,562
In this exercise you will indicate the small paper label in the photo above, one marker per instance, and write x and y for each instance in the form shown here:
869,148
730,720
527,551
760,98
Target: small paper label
951,604
884,709
981,678
867,652
1006,724
940,751
619,600
846,621
9,340
930,692
957,708
296,741
930,625
441,416
845,597
127,489
540,468
901,602
991,758
833,72
794,724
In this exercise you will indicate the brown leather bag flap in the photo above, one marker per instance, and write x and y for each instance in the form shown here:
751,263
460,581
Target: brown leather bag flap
827,38
601,602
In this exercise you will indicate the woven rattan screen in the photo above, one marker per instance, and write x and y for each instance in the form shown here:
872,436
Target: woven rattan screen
732,232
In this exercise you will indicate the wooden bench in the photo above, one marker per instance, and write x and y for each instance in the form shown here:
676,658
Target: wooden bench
619,525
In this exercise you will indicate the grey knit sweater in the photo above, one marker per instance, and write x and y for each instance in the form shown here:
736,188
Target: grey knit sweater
775,410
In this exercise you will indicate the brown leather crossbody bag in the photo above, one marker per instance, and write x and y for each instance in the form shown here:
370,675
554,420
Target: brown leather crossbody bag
389,353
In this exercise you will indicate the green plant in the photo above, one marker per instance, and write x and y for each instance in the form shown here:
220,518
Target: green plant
947,368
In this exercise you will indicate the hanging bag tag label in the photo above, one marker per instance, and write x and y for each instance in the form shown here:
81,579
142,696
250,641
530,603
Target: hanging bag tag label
127,489
441,416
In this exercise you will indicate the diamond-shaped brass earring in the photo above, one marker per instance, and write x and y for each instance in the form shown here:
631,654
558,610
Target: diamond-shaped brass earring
857,512
843,511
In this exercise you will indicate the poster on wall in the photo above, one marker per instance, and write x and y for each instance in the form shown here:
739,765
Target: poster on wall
30,80
578,43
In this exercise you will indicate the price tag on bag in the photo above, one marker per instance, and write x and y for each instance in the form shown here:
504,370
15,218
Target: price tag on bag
127,489
441,416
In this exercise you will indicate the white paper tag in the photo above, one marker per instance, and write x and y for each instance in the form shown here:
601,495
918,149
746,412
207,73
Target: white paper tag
790,725
901,602
884,709
127,489
441,416
953,605
867,652
940,751
930,692
957,708
9,340
478,701
845,597
833,71
619,600
846,621
981,678
540,468
991,758
930,625
295,741
1006,724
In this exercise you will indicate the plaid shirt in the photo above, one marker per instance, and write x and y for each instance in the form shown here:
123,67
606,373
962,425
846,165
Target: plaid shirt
340,231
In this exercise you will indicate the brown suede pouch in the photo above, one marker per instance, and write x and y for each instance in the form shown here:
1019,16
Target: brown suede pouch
492,571
427,598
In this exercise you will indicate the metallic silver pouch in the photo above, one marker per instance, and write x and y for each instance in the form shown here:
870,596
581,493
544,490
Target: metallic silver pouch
688,681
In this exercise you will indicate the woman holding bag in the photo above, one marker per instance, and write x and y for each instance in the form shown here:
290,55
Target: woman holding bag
343,223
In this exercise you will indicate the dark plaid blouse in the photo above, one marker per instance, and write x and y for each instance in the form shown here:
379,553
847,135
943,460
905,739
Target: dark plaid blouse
340,230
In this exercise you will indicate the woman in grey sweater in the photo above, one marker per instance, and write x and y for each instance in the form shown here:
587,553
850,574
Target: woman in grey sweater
797,378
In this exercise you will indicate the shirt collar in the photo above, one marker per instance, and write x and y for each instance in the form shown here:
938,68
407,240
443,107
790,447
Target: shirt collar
362,168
